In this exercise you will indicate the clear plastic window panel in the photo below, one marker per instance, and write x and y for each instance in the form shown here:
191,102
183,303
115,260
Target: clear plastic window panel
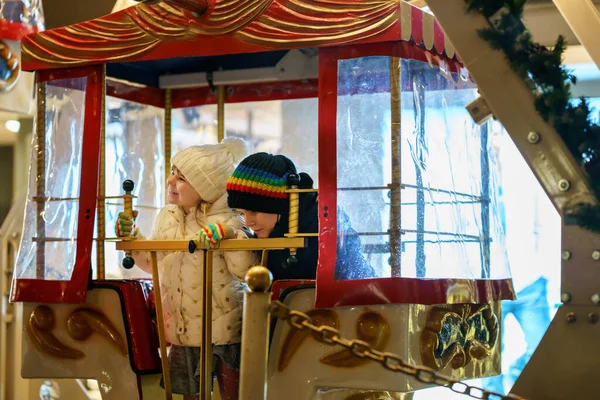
430,158
28,12
51,215
275,126
134,149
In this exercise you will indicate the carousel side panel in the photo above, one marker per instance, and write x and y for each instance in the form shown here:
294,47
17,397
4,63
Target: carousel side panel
460,340
80,341
54,255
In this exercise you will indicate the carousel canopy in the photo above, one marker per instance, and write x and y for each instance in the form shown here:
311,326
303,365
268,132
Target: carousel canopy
146,41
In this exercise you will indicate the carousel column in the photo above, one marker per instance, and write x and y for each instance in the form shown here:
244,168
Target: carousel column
206,347
161,328
167,144
485,203
220,113
255,334
395,192
101,206
40,165
419,86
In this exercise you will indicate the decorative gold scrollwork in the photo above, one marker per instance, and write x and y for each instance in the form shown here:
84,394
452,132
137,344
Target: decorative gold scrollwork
296,337
371,327
374,395
39,328
81,324
457,334
9,68
84,322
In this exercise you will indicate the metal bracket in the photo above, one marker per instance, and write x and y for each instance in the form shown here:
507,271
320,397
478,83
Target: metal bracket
295,65
565,365
479,110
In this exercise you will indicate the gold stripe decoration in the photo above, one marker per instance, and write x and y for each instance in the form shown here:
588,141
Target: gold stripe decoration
315,22
114,37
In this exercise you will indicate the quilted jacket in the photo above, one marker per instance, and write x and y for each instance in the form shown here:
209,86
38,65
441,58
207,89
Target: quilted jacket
181,277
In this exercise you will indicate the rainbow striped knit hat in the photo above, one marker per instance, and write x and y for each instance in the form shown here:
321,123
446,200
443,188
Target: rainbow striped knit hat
259,183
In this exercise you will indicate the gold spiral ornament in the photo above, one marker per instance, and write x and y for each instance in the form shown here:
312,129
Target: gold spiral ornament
9,77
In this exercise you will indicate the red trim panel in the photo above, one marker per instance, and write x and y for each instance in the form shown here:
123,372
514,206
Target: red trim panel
411,291
401,49
65,73
416,25
10,30
328,82
287,90
138,94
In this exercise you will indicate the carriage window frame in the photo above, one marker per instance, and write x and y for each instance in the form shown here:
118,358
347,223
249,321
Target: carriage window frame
74,290
373,291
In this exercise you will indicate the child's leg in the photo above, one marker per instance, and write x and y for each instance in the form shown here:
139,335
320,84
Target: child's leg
229,381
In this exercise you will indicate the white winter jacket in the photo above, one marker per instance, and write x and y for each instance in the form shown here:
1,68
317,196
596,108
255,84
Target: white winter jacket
181,277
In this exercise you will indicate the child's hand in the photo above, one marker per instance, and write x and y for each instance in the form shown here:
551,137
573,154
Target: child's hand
126,225
212,234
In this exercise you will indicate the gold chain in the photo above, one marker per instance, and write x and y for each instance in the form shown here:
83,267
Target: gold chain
331,336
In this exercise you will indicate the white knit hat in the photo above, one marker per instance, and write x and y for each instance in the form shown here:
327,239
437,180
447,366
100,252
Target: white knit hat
208,167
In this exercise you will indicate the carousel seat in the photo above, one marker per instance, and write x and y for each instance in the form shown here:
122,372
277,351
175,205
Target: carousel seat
139,314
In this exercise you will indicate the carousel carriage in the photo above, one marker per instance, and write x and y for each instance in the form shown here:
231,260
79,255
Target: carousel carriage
397,150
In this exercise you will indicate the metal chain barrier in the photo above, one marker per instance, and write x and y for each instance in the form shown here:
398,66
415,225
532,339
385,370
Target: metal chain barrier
331,336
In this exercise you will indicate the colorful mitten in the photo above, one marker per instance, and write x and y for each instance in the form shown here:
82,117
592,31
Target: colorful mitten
125,224
212,234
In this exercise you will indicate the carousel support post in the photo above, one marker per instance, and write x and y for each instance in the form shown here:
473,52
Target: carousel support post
419,87
161,328
255,334
40,131
485,203
220,113
167,144
101,202
206,347
395,195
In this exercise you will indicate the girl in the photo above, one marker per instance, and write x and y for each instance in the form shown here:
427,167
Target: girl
198,207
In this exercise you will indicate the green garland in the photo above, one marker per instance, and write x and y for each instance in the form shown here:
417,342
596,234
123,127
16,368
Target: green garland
550,82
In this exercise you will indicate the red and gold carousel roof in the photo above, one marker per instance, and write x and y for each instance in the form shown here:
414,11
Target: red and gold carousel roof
176,28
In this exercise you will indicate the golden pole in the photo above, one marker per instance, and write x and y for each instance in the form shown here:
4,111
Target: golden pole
395,212
220,113
101,206
206,347
40,130
167,144
161,328
293,181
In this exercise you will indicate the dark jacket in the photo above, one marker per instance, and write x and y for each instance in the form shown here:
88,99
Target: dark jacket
350,262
